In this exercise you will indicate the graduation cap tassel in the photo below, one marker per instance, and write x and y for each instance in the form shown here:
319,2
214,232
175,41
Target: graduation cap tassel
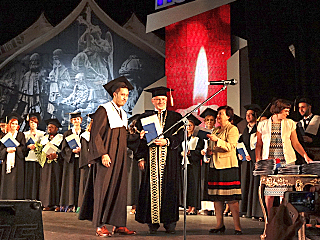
69,121
171,98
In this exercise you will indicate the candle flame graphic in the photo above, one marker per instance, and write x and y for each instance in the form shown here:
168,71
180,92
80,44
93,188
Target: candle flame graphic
200,88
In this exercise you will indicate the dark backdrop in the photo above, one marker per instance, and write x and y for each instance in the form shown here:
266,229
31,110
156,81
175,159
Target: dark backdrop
270,27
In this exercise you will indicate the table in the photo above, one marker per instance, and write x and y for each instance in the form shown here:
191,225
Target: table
298,181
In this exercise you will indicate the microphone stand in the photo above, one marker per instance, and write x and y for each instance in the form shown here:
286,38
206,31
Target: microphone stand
184,120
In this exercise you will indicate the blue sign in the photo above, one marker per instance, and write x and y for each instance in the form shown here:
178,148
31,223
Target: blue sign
166,3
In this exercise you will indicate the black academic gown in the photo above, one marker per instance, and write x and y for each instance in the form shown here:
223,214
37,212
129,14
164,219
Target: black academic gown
249,205
12,184
108,184
194,175
70,174
169,204
84,168
134,176
50,182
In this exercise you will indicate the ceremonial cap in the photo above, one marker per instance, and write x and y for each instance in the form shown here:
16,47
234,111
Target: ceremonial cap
236,119
305,100
120,82
159,91
254,107
32,114
75,114
194,119
53,121
14,115
134,117
209,112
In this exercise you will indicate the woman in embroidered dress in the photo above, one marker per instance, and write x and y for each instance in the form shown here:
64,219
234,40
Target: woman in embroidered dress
194,157
277,139
12,176
32,166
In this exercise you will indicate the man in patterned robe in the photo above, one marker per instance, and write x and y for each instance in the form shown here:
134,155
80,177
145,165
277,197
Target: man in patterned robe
161,164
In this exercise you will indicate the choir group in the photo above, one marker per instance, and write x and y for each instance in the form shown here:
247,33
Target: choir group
43,166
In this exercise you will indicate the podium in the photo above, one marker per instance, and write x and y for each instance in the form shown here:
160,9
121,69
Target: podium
298,181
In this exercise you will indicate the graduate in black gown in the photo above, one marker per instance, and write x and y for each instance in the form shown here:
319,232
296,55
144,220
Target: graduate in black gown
70,153
108,156
194,157
161,161
12,176
83,162
249,205
32,166
134,174
51,172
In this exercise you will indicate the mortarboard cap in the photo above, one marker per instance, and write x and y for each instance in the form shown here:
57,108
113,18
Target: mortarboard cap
32,114
194,119
209,112
14,115
254,107
236,119
119,82
158,91
134,117
53,121
305,100
75,114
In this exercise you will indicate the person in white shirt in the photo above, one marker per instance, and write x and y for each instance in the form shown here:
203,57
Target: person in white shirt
32,166
277,139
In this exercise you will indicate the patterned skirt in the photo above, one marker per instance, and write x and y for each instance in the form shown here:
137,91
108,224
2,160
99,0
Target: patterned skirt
224,184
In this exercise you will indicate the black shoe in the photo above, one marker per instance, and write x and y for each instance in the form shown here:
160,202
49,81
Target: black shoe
152,231
237,232
170,231
218,230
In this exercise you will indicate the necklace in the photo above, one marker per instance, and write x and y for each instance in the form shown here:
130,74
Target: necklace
162,120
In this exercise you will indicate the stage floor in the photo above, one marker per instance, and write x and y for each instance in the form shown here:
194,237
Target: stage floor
63,226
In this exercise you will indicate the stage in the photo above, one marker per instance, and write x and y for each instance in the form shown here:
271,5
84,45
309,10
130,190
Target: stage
62,226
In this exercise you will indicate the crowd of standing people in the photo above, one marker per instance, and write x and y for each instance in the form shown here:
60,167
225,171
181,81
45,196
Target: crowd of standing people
85,170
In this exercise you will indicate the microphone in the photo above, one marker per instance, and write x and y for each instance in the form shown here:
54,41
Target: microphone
223,82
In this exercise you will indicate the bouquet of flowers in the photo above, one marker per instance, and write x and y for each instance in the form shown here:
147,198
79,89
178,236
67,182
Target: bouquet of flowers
41,156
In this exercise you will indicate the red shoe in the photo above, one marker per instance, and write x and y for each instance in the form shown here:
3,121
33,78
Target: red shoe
103,232
123,231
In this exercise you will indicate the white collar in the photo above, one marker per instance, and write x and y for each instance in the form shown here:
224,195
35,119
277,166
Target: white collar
116,106
74,131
